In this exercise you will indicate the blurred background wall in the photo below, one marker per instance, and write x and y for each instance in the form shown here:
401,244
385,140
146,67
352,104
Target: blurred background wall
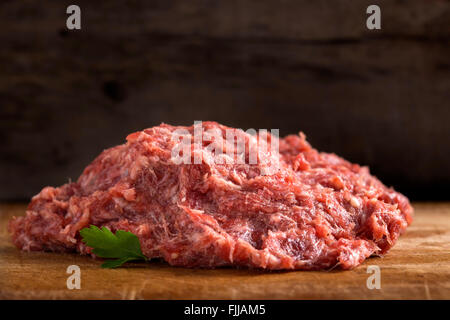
379,98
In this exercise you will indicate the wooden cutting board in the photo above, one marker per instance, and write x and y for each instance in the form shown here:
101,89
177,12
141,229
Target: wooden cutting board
418,267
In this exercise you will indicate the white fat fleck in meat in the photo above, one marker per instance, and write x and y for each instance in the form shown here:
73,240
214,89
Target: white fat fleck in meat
355,202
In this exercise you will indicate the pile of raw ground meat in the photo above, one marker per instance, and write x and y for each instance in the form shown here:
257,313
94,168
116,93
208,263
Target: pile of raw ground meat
316,212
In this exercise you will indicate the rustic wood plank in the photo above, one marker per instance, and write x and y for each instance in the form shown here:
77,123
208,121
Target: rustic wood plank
376,98
418,267
375,103
233,19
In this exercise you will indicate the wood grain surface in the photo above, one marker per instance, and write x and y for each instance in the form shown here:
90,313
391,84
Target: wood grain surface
418,267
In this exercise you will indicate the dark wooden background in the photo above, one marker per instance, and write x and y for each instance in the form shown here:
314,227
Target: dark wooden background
380,98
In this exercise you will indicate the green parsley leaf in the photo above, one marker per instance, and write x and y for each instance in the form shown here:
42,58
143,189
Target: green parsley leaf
124,245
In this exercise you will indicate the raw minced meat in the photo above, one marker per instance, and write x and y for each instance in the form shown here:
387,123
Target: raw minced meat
316,212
